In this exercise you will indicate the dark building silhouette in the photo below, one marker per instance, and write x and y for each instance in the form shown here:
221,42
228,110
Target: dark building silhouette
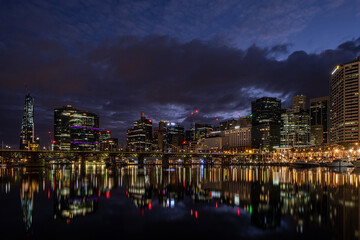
320,116
266,122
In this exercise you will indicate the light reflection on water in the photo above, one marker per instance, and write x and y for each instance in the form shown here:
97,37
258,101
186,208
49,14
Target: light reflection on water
245,201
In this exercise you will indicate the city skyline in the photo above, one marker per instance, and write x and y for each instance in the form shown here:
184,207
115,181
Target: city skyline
117,65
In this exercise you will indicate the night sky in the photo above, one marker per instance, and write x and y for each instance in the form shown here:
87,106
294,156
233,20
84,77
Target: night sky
166,58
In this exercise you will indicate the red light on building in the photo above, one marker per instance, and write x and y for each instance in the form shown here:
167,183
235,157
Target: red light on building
107,131
196,215
191,212
196,111
49,193
216,205
54,141
150,120
99,193
149,205
142,212
184,142
107,194
49,132
100,133
238,211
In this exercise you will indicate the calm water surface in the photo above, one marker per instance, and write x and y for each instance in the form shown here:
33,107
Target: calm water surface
92,201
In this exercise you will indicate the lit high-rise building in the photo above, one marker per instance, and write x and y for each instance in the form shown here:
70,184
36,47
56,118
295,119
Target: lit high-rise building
345,103
75,129
27,137
266,122
295,128
139,137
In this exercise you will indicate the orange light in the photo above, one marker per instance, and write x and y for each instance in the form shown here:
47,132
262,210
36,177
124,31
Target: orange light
150,120
191,212
216,205
195,214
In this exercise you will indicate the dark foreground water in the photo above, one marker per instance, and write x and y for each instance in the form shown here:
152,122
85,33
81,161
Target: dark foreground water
94,202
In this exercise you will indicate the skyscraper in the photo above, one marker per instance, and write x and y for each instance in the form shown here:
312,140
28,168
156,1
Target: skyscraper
162,135
295,128
175,136
344,98
75,129
299,103
266,122
27,136
320,116
139,137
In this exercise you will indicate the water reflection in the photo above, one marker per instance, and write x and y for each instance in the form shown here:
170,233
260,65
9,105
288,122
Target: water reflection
266,197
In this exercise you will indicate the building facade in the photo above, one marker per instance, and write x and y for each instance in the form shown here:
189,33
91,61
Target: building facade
139,137
75,129
295,128
299,103
266,122
175,137
106,142
344,98
237,139
320,118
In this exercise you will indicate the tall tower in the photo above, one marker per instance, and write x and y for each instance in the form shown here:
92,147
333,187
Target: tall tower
27,125
345,103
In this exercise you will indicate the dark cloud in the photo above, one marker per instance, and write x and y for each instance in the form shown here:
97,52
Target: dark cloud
160,75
